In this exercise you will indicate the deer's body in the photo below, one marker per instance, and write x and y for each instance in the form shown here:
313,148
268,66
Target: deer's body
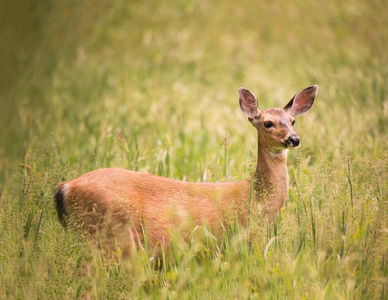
138,201
133,208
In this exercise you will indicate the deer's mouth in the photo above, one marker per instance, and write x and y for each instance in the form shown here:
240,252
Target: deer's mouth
289,145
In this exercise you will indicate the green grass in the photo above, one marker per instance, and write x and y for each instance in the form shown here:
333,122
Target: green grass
152,86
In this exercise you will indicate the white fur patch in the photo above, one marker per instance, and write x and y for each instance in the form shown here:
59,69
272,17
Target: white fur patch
65,191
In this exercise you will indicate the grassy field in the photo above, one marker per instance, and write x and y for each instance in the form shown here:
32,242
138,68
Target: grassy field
152,86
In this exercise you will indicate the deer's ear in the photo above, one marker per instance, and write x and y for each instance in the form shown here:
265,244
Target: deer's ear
302,101
248,103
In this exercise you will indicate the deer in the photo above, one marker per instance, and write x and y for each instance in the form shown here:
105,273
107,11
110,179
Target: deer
132,209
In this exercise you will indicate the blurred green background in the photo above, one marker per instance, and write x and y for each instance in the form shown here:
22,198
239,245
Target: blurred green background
79,71
152,86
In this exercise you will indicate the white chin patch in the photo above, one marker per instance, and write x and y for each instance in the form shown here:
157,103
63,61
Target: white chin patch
278,152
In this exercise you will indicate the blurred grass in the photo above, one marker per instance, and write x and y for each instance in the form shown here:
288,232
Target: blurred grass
152,86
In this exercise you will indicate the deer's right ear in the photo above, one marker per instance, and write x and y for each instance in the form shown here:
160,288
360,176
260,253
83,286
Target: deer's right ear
248,103
302,101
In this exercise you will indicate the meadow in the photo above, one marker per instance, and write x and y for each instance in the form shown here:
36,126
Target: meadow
152,86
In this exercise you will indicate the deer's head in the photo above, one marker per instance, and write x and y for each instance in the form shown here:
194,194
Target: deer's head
275,125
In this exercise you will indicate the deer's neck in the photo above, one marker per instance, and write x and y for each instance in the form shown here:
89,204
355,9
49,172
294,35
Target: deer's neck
271,179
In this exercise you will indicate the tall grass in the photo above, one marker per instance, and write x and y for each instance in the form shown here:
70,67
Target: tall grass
153,87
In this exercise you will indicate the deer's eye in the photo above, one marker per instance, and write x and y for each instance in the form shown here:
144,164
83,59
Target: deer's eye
268,124
293,123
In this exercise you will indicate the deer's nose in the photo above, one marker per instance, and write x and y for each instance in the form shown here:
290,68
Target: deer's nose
294,141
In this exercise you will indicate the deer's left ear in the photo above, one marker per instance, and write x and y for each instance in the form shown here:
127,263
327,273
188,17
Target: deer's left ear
302,101
248,103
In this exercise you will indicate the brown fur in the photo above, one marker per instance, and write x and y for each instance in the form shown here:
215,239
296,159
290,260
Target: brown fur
132,209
